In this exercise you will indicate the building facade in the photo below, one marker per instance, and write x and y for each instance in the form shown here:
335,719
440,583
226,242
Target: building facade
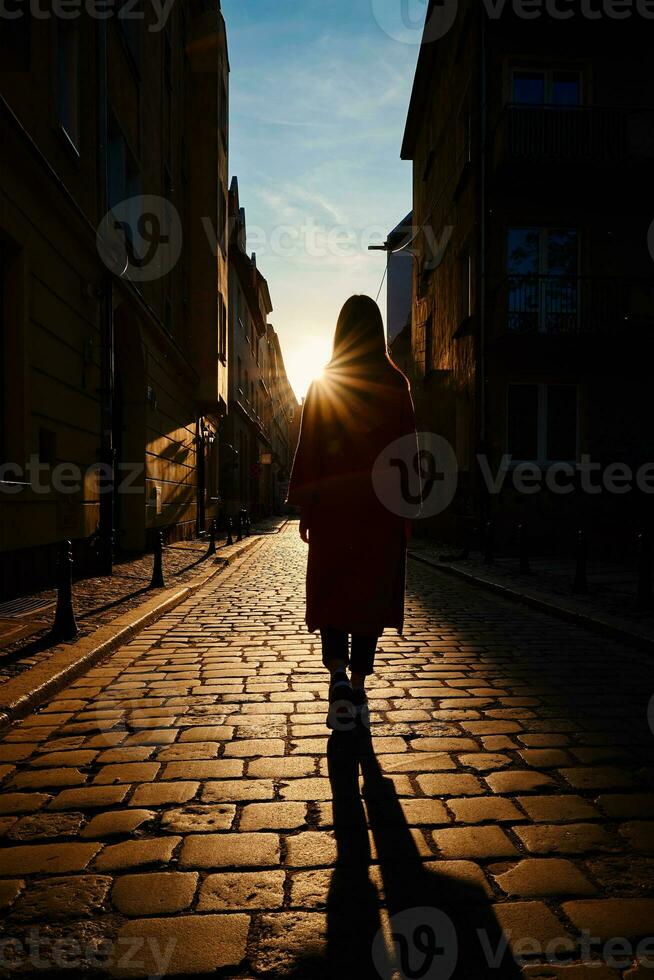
284,425
256,438
113,330
399,292
399,278
532,143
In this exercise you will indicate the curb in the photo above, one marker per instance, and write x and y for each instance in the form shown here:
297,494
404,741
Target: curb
29,690
278,529
594,624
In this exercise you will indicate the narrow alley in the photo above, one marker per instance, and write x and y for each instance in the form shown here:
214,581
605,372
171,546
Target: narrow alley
181,810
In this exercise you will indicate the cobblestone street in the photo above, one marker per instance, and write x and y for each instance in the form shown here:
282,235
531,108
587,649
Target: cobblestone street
181,809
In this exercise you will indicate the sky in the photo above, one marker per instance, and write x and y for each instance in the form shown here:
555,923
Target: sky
319,92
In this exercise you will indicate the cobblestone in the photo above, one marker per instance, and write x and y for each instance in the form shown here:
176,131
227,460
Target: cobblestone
200,944
46,858
62,898
579,838
230,850
543,877
244,890
132,853
474,842
185,794
606,918
151,894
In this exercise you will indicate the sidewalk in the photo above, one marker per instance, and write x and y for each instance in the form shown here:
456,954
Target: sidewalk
99,600
609,606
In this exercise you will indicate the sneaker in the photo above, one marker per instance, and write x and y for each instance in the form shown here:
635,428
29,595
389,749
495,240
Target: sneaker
361,707
341,716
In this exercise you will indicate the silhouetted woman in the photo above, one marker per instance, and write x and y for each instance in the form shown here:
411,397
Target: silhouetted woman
357,540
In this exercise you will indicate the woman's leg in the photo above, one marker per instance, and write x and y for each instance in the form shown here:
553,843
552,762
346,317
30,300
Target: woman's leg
341,716
334,650
363,658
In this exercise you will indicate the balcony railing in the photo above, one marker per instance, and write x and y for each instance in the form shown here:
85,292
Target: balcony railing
574,133
558,306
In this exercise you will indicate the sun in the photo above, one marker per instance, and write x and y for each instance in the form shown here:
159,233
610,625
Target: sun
305,361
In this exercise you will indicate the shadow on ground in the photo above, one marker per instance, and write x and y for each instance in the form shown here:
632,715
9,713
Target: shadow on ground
391,913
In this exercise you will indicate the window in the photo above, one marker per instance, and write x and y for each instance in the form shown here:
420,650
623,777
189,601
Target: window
222,220
222,335
551,87
543,251
542,422
543,267
68,80
224,111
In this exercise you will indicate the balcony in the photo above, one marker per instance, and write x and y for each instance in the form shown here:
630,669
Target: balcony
573,306
574,135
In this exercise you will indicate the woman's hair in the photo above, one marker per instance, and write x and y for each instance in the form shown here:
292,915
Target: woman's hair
360,339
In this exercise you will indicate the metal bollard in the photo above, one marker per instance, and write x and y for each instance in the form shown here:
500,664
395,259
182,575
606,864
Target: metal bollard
489,543
239,527
580,584
644,596
65,625
158,581
212,540
525,566
230,539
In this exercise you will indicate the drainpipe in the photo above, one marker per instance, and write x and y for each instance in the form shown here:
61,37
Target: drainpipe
106,525
481,352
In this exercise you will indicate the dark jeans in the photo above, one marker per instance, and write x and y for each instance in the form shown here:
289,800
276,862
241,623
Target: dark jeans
335,647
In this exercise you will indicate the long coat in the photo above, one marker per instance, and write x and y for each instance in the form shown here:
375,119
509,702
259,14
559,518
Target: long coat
357,544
